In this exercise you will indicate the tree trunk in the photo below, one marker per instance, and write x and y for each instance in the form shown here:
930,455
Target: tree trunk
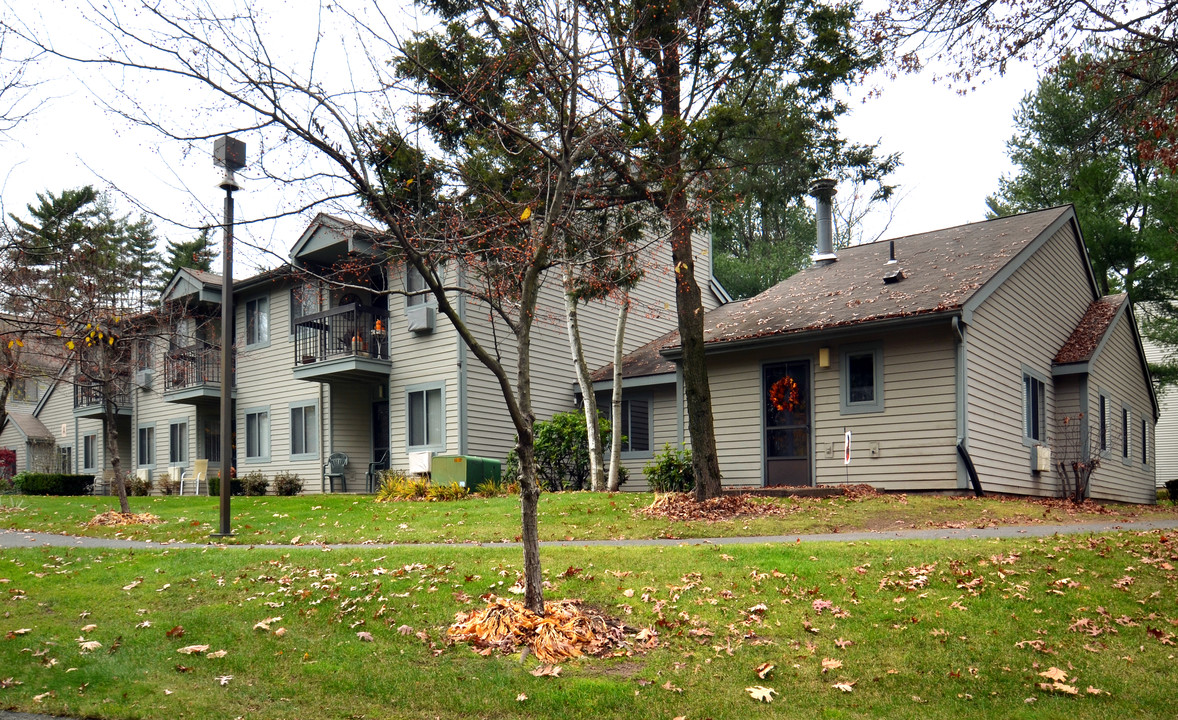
592,426
111,437
615,438
529,489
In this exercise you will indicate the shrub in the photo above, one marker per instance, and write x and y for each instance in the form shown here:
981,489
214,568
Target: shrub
670,471
7,486
52,484
443,493
562,452
1172,488
254,483
287,483
396,485
7,463
139,487
495,487
235,487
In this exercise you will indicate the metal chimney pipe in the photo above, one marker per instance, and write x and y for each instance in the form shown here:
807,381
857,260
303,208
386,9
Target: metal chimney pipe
822,191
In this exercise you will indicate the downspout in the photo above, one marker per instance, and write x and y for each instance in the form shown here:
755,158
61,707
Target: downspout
326,418
962,412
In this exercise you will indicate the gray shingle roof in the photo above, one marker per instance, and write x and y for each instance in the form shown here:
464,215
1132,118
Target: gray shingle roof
1090,330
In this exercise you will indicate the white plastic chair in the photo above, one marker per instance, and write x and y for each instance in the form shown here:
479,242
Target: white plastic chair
199,471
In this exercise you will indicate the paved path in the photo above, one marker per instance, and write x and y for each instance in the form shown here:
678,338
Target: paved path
13,539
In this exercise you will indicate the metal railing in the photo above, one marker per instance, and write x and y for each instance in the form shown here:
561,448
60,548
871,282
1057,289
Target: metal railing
194,365
353,330
91,395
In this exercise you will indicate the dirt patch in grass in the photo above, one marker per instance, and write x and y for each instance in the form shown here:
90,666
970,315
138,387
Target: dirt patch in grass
114,518
568,629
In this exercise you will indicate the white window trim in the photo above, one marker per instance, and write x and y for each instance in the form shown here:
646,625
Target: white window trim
264,456
439,444
1104,403
93,466
312,454
245,324
846,407
411,301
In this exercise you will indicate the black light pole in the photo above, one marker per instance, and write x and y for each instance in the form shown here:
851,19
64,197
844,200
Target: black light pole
228,153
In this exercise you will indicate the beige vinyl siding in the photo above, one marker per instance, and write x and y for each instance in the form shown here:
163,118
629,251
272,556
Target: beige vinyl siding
420,359
59,411
1023,323
916,432
350,426
265,378
554,383
1166,453
1116,371
150,408
663,431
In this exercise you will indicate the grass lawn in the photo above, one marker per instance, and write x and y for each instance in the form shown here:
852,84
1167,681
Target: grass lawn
945,629
563,516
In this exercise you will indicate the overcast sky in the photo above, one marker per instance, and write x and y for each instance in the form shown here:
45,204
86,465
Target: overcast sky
952,147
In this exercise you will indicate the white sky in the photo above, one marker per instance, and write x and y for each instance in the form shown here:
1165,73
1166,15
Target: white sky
952,147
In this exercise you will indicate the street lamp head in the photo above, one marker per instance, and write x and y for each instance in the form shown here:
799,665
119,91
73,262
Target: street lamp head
229,181
229,153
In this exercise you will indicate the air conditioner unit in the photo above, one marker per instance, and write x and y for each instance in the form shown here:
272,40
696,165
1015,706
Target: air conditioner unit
144,377
421,318
174,473
420,462
143,474
1041,458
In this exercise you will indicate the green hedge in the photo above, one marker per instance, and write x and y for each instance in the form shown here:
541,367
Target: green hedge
235,487
53,484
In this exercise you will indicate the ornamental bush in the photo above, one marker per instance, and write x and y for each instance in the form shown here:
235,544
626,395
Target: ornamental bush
562,452
254,483
670,471
287,483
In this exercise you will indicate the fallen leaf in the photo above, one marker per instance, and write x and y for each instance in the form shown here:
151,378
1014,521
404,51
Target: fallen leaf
176,632
224,679
13,633
761,693
280,632
144,624
405,630
1054,673
217,654
1095,691
671,687
190,649
183,669
521,697
831,664
364,636
42,696
133,585
265,624
547,671
764,669
89,628
845,687
90,645
843,644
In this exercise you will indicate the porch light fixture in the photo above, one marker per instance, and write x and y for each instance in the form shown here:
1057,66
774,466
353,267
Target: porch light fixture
824,357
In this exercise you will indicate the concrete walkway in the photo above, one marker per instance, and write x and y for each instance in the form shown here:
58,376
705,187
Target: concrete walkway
13,539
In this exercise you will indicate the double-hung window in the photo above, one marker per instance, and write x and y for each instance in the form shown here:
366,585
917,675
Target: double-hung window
1126,436
415,283
1034,409
90,452
145,454
257,321
304,431
426,417
178,443
257,435
1103,424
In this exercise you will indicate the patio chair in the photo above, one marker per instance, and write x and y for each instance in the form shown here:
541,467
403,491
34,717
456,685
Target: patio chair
199,471
380,462
334,468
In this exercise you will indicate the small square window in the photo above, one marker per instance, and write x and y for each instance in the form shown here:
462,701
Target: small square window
861,384
415,283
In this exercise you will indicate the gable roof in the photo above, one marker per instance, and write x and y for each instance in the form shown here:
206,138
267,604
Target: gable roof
941,271
645,361
328,238
33,429
1086,339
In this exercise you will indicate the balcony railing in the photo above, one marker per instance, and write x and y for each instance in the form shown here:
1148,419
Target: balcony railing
87,395
353,330
193,366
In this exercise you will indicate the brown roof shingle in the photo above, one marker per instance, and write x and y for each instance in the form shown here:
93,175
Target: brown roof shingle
646,360
1091,330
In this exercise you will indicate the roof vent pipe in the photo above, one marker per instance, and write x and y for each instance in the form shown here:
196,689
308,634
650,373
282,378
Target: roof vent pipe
823,190
892,252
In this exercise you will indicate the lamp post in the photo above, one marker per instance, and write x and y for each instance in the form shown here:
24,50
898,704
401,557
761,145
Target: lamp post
229,154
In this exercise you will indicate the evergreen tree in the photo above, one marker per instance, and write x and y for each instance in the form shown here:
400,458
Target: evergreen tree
1126,201
196,254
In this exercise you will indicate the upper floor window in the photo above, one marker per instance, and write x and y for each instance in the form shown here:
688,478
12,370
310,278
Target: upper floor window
25,390
257,321
415,283
304,300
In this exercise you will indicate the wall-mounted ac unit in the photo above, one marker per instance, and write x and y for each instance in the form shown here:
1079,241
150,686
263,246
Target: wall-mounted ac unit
419,462
144,377
1041,458
421,318
143,474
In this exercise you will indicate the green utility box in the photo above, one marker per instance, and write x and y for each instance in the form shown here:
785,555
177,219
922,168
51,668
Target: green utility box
466,470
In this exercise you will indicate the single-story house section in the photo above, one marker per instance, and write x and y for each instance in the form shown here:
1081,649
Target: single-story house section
985,346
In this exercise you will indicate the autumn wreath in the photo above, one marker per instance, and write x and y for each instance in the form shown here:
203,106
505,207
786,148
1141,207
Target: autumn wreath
784,395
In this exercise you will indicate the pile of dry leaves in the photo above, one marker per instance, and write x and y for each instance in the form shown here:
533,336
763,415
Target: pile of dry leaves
114,518
682,506
567,630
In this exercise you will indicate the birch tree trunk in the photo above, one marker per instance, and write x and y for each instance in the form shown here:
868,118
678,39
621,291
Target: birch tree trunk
592,426
615,438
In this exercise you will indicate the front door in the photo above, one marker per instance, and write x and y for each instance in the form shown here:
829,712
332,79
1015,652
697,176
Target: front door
380,434
785,397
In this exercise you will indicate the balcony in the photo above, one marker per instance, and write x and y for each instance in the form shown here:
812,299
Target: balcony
192,374
88,398
349,342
